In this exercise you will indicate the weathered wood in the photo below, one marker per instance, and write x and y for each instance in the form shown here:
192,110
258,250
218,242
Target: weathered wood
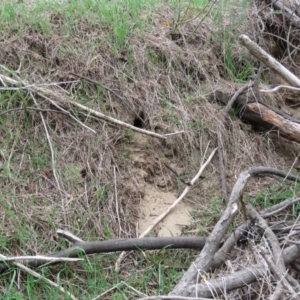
264,116
270,119
225,284
206,258
268,60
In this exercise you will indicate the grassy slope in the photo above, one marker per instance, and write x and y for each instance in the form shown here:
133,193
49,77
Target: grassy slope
135,48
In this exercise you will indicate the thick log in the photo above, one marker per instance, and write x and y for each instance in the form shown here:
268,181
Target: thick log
264,116
271,120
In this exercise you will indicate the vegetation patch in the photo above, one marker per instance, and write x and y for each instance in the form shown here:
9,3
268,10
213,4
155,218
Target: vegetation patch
107,111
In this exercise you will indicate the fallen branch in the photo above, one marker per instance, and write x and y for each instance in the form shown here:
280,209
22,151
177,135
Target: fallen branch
111,91
280,87
268,60
4,258
262,115
225,284
39,276
115,121
46,94
288,13
280,277
206,258
272,239
86,248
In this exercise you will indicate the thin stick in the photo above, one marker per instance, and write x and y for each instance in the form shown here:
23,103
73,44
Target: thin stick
45,93
69,114
277,274
280,87
186,190
268,60
116,200
39,276
40,257
49,143
115,121
111,91
164,214
69,236
222,168
29,86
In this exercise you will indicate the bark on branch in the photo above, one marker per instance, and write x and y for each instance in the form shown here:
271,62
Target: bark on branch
206,258
151,243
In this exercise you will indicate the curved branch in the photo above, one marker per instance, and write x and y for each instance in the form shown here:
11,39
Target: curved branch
223,285
206,258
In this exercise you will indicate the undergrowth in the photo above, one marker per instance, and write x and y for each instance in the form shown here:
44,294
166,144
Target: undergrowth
157,56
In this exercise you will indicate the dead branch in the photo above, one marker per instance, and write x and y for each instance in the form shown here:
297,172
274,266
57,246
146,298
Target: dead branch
280,87
270,211
151,243
263,115
46,94
272,239
222,168
278,274
111,91
206,258
223,285
289,14
268,60
39,276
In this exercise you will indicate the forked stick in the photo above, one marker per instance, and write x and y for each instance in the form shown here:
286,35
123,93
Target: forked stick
165,213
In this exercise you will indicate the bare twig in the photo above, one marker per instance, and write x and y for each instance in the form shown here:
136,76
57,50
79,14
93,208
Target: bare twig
222,168
115,121
268,212
111,91
268,60
165,213
39,276
116,286
225,284
280,87
278,274
49,143
116,200
69,236
186,190
206,257
272,239
30,86
45,93
4,258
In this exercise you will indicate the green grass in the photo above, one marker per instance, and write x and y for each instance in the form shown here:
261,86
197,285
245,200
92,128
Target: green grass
153,272
275,194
